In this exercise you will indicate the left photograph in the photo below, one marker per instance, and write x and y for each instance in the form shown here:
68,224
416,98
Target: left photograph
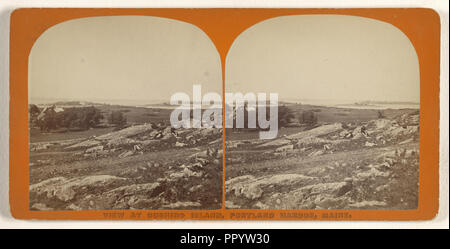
101,97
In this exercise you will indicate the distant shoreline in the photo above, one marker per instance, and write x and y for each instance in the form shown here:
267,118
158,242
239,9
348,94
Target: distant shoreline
374,105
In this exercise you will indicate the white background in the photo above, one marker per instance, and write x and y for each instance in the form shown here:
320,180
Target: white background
6,221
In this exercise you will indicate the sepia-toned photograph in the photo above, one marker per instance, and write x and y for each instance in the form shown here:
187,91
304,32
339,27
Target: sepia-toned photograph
225,116
100,134
348,116
112,124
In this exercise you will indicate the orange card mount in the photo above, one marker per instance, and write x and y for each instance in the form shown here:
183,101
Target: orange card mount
93,91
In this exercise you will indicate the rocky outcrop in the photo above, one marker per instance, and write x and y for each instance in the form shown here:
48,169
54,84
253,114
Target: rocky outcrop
127,132
386,153
139,138
66,190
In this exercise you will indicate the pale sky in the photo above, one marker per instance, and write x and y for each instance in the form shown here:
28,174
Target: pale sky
122,58
329,57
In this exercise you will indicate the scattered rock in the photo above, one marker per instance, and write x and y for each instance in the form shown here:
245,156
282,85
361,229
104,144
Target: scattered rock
231,205
288,147
369,144
74,207
178,144
66,189
126,154
41,207
95,149
367,204
372,173
182,205
316,153
84,145
251,188
260,205
409,140
127,132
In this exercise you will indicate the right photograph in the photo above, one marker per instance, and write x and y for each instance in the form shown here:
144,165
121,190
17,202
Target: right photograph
340,129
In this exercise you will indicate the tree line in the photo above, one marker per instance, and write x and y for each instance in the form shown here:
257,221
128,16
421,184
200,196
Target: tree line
286,117
71,118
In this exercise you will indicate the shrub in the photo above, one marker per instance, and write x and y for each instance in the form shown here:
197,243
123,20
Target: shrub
117,118
34,110
284,116
80,118
308,117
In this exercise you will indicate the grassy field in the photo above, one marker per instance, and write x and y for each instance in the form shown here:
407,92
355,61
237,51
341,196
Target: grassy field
345,115
138,115
37,136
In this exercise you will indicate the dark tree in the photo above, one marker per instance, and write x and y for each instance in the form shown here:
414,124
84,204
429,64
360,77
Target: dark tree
91,117
284,116
48,121
81,118
117,118
308,117
34,110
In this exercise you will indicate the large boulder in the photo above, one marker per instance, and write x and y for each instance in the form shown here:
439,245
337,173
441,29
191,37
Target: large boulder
252,188
95,149
368,205
304,136
319,131
65,189
84,145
